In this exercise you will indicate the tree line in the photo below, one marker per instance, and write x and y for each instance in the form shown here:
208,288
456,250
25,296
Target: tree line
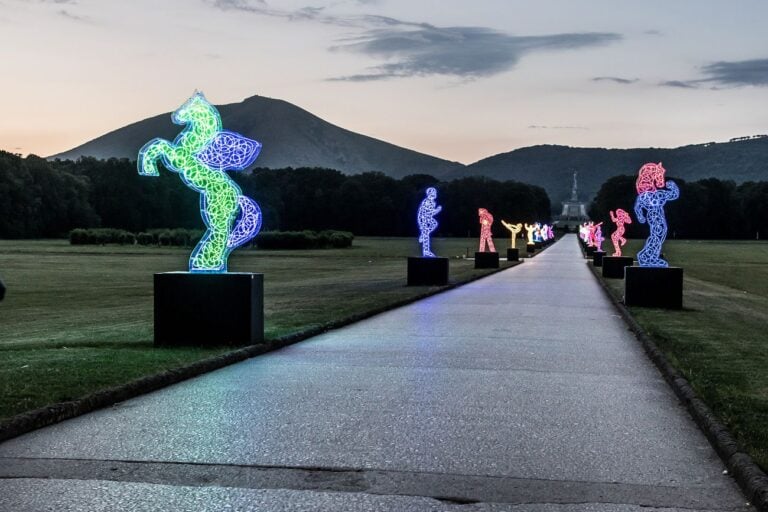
706,209
42,199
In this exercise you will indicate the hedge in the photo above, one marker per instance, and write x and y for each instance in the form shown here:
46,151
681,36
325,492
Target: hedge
303,239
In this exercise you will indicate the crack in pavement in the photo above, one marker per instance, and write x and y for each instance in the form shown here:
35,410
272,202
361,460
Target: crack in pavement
449,488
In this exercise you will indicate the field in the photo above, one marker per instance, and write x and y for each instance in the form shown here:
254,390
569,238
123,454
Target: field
719,341
79,318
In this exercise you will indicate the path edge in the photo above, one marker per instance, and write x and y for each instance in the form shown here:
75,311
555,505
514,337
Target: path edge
26,422
752,480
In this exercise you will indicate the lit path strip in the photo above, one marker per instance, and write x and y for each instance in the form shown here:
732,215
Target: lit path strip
523,388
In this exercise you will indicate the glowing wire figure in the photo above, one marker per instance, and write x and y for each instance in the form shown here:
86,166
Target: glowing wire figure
653,193
617,237
426,220
595,236
584,232
550,233
530,230
514,229
200,154
486,237
599,237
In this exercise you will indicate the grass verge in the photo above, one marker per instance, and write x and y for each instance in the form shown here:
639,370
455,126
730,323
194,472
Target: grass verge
718,342
78,319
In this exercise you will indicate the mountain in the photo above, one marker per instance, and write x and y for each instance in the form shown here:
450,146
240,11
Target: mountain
291,137
552,167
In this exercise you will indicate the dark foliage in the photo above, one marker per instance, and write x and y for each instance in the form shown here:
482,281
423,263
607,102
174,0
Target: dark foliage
706,209
49,199
304,239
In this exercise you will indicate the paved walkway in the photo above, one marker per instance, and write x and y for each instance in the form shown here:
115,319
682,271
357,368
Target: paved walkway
522,391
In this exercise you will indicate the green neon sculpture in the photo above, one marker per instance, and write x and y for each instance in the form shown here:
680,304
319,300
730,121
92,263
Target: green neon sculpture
200,154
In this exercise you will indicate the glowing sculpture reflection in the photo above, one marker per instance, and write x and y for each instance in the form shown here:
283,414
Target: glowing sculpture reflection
486,237
653,193
620,217
426,220
514,229
200,154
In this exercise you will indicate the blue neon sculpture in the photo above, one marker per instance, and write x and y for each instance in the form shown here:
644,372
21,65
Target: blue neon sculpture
653,192
200,154
426,220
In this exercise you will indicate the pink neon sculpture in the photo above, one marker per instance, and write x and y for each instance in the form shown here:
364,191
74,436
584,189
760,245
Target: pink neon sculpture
617,237
486,219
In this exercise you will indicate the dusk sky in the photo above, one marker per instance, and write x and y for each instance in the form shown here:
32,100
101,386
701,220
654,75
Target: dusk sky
457,79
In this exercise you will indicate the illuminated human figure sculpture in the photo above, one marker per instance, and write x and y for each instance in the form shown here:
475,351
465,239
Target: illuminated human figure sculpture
598,241
200,154
530,229
486,220
426,220
584,232
550,233
620,217
653,193
514,229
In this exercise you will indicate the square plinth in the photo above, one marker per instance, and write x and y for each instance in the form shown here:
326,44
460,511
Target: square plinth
486,260
530,249
427,271
653,287
209,309
613,266
513,254
597,258
590,251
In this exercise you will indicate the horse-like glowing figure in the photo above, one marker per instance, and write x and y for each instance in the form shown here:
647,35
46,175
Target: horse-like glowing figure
200,154
426,220
620,217
653,193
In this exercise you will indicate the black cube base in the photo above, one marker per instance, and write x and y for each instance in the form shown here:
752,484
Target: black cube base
530,249
597,258
513,254
209,309
486,260
590,251
427,271
613,266
654,287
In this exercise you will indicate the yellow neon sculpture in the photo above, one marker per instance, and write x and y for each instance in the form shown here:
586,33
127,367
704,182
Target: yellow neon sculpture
531,230
514,229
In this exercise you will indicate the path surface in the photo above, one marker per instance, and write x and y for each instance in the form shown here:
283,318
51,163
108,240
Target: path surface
523,391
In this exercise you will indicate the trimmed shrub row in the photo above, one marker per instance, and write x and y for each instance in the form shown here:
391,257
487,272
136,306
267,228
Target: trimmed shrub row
165,237
303,239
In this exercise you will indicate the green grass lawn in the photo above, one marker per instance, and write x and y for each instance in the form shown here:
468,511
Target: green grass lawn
77,319
719,341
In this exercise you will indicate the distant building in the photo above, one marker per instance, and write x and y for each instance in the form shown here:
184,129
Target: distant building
574,211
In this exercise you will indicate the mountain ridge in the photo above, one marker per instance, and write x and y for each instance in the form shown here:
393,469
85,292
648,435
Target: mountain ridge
290,137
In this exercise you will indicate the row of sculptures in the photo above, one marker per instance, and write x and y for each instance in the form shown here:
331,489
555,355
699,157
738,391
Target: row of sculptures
203,151
653,192
428,209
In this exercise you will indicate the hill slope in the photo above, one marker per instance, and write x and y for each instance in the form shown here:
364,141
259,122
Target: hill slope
552,167
291,137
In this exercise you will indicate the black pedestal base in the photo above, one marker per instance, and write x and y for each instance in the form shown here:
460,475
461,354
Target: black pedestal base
590,251
538,245
597,258
513,254
486,260
613,266
653,287
209,309
427,271
530,249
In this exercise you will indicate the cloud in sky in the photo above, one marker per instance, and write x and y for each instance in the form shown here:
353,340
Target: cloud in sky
615,79
420,49
466,52
677,83
738,73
